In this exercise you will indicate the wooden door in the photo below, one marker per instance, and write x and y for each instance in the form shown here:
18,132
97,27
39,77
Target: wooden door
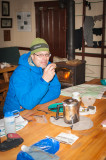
51,25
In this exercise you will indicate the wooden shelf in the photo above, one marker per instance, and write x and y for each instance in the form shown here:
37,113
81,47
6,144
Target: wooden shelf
93,47
90,54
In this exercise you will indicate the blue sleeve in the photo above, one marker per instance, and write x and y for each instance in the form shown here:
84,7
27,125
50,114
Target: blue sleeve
53,91
30,95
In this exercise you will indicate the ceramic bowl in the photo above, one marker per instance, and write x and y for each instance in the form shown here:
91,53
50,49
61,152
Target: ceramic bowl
103,81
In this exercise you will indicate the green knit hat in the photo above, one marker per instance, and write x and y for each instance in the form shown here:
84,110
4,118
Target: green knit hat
39,44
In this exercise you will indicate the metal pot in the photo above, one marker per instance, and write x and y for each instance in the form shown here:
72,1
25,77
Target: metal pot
71,110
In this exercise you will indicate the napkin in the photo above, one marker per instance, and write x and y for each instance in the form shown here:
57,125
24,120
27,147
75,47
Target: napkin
67,138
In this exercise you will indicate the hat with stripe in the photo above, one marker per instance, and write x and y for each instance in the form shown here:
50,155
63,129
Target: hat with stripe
39,44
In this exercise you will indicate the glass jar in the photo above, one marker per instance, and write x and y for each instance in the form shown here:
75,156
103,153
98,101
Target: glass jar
9,123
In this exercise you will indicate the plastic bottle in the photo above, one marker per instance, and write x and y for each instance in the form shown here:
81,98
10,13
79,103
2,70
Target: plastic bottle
43,149
9,123
36,153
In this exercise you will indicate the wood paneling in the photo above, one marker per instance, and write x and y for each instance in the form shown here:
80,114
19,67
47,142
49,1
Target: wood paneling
7,35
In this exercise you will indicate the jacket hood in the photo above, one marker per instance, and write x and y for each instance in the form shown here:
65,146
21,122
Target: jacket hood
23,60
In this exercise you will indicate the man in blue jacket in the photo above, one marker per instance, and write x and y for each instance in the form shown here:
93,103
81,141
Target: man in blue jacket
34,81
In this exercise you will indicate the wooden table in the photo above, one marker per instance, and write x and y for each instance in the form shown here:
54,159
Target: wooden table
91,144
5,71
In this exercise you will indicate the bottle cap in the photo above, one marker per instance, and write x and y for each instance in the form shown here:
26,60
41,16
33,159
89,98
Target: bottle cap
24,148
8,114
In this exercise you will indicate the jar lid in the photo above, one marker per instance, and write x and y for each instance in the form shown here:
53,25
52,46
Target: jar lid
8,114
70,102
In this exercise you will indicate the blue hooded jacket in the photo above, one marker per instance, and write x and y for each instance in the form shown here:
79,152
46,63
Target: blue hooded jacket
27,87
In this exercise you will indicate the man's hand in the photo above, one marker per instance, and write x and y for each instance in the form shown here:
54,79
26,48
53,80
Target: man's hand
49,72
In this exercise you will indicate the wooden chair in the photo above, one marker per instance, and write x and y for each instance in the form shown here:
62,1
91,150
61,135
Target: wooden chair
3,93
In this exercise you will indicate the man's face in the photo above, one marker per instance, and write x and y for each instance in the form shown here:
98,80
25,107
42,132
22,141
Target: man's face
40,59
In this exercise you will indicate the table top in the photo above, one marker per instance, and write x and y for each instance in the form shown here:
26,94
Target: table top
6,72
91,144
8,69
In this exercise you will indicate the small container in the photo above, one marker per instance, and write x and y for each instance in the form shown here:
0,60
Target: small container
76,95
103,81
9,123
88,100
71,111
